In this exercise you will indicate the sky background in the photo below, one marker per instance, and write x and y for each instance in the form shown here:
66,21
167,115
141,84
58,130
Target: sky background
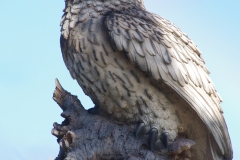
31,60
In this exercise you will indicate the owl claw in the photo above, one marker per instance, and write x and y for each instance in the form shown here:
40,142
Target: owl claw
164,138
140,129
153,138
154,134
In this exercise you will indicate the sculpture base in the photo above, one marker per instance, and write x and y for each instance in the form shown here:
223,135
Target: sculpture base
88,136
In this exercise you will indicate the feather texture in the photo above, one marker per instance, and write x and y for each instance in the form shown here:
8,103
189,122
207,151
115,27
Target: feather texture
113,54
177,61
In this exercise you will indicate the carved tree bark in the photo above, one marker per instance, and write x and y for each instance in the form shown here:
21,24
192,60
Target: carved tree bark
84,136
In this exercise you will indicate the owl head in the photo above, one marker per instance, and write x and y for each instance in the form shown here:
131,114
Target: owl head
138,3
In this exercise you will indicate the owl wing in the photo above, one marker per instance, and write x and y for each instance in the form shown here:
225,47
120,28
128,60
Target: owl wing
159,48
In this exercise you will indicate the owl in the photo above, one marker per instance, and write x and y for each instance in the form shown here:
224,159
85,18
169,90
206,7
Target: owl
139,68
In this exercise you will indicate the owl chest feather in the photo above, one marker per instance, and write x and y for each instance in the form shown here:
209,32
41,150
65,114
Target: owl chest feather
114,84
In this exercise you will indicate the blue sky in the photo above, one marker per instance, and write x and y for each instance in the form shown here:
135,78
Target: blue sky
31,60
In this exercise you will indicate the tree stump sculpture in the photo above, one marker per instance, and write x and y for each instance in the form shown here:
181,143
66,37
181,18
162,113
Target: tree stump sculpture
85,136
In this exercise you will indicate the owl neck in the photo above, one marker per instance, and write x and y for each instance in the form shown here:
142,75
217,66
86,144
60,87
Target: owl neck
77,11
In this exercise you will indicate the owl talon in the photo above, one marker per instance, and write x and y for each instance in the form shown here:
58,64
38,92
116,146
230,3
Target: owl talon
164,138
140,129
153,138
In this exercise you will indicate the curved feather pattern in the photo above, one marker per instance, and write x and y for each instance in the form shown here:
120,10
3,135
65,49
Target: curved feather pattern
125,43
193,66
142,31
191,73
173,53
138,48
161,68
176,66
137,35
172,72
156,45
118,43
157,48
185,53
184,73
161,64
180,52
76,45
141,61
166,53
126,34
152,65
131,54
172,38
149,47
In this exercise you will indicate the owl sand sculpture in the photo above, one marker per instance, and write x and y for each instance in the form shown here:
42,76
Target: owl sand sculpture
140,69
